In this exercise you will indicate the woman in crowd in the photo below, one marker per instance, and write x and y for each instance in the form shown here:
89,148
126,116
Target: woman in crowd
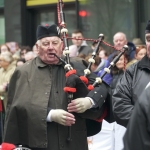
4,48
139,54
117,73
6,71
94,65
104,64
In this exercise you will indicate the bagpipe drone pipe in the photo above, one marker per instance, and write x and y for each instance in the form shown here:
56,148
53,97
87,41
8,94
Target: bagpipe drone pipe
78,86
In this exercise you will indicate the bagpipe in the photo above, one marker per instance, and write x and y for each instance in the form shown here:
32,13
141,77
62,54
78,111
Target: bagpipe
78,86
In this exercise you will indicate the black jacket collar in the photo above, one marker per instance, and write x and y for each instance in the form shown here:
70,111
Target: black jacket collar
144,63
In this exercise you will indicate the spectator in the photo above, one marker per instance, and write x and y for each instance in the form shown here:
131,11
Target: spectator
103,54
140,52
24,50
94,65
29,55
4,48
104,62
20,62
120,40
6,71
117,73
137,41
79,46
14,48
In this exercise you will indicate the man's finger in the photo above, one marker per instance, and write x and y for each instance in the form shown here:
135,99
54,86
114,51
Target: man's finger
69,119
73,103
72,109
69,115
69,123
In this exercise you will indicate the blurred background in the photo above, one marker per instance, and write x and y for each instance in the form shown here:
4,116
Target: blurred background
19,18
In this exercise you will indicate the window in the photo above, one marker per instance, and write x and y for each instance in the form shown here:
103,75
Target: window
2,27
1,3
109,17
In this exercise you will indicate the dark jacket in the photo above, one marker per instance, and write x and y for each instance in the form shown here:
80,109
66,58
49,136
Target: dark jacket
34,87
137,136
129,88
86,50
115,78
130,53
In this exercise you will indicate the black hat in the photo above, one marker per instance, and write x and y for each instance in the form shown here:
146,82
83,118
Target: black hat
147,30
47,31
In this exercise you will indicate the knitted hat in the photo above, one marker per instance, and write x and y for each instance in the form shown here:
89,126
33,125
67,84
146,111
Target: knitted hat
47,31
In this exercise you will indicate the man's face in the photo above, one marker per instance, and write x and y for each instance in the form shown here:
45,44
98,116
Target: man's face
49,45
77,36
119,41
147,39
22,53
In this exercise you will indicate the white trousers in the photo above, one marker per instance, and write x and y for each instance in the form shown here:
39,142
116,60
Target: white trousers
109,138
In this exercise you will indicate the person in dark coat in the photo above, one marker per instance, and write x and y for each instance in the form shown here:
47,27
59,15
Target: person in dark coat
117,73
119,41
38,113
138,130
131,85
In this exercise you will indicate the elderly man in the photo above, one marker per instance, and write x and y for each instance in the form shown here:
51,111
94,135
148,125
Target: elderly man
130,87
119,41
37,115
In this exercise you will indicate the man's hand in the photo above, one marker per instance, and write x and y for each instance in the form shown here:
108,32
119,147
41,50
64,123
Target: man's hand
79,105
62,117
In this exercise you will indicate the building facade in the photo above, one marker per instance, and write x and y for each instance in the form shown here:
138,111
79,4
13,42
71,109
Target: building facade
19,18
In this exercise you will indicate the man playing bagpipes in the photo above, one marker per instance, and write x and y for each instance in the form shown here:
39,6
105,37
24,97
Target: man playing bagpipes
38,113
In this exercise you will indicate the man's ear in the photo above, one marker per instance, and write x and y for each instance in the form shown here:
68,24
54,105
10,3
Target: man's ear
37,46
135,56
